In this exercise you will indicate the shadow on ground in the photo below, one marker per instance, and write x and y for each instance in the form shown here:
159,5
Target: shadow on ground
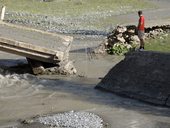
18,66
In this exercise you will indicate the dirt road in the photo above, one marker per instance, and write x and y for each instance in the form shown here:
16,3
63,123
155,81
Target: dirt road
157,16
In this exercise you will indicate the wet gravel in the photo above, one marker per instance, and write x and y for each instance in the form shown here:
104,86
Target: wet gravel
73,120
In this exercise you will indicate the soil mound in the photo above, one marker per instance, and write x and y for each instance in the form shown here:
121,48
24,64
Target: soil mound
141,75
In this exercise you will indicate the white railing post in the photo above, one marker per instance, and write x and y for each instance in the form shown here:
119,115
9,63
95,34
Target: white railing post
2,13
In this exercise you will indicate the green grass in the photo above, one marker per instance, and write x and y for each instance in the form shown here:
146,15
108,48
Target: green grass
159,44
72,7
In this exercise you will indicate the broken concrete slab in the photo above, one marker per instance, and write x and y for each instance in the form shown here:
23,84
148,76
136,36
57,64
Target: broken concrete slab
141,75
34,44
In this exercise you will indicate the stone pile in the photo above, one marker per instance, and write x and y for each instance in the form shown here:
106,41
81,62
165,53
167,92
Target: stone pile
128,35
123,35
152,32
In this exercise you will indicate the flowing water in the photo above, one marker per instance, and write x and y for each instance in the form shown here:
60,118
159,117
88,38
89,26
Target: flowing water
24,96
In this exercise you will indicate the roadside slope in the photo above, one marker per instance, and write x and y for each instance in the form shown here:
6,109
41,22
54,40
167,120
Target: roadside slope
141,75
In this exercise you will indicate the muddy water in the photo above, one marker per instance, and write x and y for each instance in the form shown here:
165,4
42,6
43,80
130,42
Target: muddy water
25,96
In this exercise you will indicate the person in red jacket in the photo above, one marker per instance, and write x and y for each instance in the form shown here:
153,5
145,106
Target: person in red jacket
141,29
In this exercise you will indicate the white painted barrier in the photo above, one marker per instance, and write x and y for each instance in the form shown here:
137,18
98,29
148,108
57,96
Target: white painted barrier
3,13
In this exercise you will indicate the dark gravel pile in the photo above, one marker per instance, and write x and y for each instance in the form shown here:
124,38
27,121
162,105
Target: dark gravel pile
141,75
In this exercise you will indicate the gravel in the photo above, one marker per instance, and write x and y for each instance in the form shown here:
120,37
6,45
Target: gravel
90,23
72,120
69,25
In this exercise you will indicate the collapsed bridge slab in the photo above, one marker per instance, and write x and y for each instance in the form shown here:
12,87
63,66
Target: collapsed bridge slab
31,51
39,47
141,75
36,55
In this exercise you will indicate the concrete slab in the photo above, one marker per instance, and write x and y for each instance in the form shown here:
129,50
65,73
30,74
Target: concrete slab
32,36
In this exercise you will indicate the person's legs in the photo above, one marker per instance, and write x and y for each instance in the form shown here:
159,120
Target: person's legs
141,43
141,37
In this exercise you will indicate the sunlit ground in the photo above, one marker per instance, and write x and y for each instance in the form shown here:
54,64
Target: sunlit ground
159,44
73,7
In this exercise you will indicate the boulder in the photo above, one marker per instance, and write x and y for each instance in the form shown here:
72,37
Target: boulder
134,38
121,39
121,29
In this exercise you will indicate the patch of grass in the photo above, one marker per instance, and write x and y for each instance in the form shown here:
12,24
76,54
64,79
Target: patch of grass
72,7
161,44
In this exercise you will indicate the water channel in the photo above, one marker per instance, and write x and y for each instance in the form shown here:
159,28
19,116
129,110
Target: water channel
24,96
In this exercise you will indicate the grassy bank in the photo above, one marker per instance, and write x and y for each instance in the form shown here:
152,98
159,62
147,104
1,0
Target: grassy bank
73,7
161,44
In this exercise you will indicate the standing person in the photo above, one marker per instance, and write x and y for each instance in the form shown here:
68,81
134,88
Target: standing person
141,30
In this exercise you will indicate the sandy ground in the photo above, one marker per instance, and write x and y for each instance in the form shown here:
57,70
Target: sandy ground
25,96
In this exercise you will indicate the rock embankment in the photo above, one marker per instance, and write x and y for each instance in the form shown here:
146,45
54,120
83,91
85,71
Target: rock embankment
141,75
